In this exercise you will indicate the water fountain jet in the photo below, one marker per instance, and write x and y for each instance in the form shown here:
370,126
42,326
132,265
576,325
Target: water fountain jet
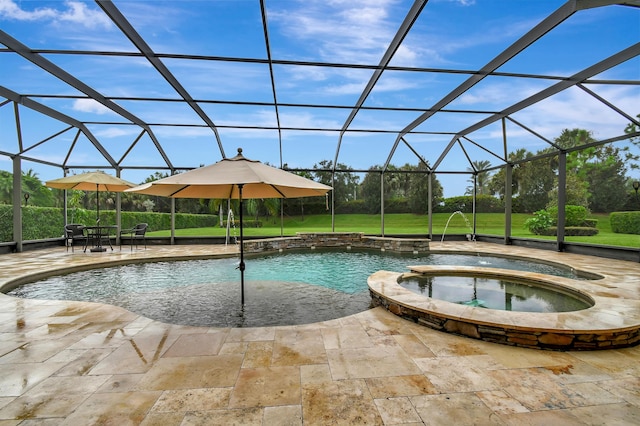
470,237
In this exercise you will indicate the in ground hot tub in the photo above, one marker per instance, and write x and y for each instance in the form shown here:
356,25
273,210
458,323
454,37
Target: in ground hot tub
492,289
587,328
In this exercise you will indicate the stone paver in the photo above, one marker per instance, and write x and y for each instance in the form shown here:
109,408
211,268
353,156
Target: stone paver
73,363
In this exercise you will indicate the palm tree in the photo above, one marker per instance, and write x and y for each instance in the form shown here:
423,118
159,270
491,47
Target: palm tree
482,177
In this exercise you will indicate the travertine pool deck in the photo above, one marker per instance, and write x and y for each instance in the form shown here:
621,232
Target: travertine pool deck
79,363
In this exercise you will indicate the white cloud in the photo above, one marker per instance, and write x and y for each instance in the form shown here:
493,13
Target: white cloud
464,2
89,105
308,120
300,73
115,132
341,31
74,12
573,109
497,96
10,10
182,132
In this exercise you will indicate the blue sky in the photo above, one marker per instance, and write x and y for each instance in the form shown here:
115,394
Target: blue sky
450,34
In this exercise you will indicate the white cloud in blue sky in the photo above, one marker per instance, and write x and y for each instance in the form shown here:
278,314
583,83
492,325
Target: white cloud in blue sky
57,13
452,34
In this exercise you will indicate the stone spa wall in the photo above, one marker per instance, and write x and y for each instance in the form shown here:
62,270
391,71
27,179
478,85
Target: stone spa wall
346,240
503,334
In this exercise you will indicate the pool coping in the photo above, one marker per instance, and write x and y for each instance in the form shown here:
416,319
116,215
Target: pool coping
612,322
615,318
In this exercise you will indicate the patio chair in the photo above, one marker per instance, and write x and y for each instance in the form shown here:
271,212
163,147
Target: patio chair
135,234
73,232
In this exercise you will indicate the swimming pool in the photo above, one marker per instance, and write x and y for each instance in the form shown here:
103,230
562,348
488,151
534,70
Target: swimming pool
289,288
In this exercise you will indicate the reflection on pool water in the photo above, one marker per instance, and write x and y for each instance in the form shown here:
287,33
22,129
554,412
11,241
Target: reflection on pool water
494,293
290,288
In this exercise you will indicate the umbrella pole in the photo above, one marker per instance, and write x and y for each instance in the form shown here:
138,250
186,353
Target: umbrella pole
97,205
241,249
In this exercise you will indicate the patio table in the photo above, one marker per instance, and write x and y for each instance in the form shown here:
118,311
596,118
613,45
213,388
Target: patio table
99,232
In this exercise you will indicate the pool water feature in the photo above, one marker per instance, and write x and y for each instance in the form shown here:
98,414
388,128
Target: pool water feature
470,235
293,287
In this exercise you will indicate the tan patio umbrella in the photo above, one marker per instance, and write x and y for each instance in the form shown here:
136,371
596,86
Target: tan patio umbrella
98,181
234,178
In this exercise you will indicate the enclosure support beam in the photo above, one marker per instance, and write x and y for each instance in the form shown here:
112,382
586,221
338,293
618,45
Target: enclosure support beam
430,203
118,210
65,204
17,203
475,195
333,201
382,204
507,203
562,197
56,115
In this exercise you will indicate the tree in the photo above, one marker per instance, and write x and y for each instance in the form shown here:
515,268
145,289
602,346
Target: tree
6,187
601,168
483,178
577,192
370,190
262,207
39,195
536,179
496,184
397,181
344,183
402,183
74,202
418,193
633,128
396,186
606,177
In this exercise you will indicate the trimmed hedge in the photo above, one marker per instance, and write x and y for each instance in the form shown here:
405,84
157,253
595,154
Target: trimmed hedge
570,231
48,222
625,222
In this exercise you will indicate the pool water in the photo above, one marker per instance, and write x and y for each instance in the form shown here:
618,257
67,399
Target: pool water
494,293
289,288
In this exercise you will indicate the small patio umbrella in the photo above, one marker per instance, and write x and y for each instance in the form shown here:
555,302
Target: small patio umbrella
235,178
98,181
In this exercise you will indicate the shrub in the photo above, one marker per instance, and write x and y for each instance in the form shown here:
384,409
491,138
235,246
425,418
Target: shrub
571,231
625,222
306,205
574,215
47,222
576,224
352,207
246,223
539,223
489,204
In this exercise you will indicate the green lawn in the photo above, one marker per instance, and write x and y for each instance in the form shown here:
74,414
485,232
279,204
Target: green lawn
487,223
